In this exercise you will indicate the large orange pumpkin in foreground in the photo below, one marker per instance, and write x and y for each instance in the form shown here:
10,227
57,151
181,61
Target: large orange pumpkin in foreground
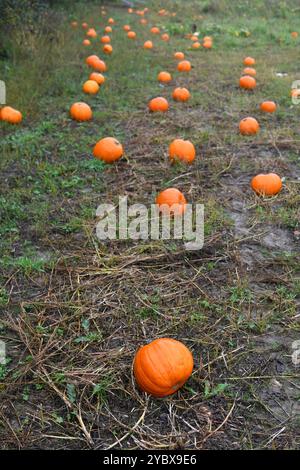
249,126
184,66
171,201
11,115
90,87
247,82
108,149
162,366
268,107
266,184
158,104
181,94
182,150
81,112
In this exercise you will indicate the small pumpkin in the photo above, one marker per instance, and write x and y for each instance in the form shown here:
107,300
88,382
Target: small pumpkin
111,21
107,49
247,82
91,33
181,94
108,149
162,366
249,126
81,112
268,107
249,61
108,29
126,27
97,77
294,34
105,39
165,37
84,25
131,35
90,87
11,115
148,45
155,30
86,42
164,77
179,55
100,66
266,184
207,44
249,71
194,38
91,60
130,10
143,21
182,150
171,201
184,66
158,104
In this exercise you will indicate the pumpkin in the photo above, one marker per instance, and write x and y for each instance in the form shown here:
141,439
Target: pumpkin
97,77
86,42
249,61
131,35
207,38
130,10
111,21
105,39
100,66
184,66
294,34
266,184
108,149
164,77
249,126
81,112
84,25
126,27
90,87
143,21
249,71
107,49
148,45
295,93
107,29
196,45
181,94
179,55
91,33
91,60
165,37
194,38
11,115
182,150
171,201
268,106
207,44
162,367
158,104
155,30
247,82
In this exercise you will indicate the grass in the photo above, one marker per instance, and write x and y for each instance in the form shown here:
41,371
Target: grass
75,309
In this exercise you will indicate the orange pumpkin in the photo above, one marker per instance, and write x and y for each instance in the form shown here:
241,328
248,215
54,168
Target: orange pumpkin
84,25
179,55
97,77
196,45
105,39
194,38
164,77
171,201
162,367
130,10
126,27
91,60
107,29
295,93
81,112
249,71
249,126
131,35
207,44
155,30
268,106
249,61
108,149
158,104
107,49
100,66
247,82
207,38
182,150
86,42
181,94
266,184
143,21
294,34
11,115
184,66
165,37
148,45
91,33
90,87
111,21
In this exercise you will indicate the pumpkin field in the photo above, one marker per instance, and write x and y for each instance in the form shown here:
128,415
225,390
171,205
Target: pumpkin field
132,344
